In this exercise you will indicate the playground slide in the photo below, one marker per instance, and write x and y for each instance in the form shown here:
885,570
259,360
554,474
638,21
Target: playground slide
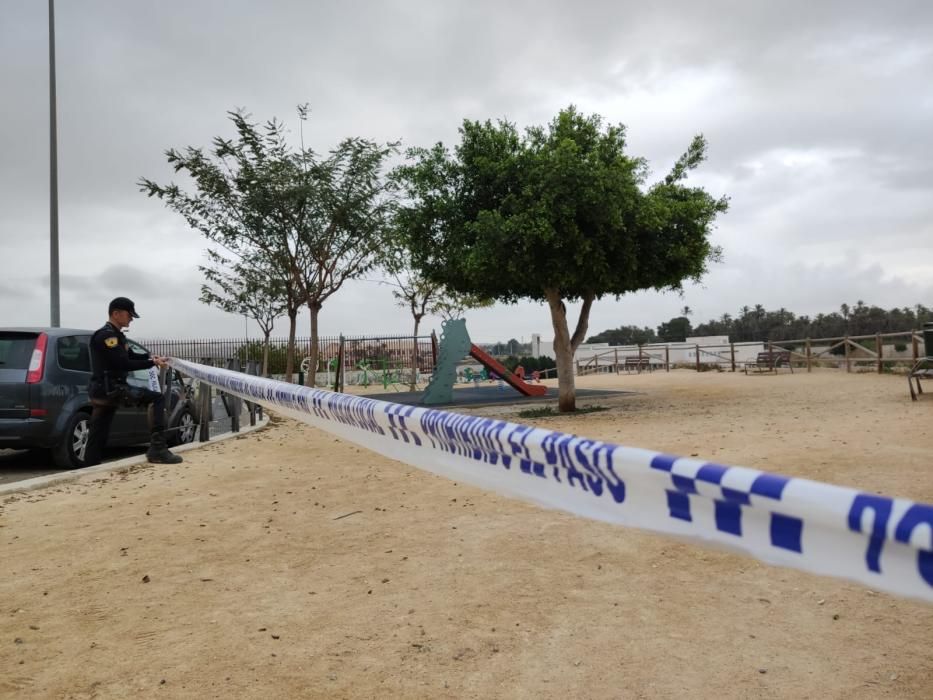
493,365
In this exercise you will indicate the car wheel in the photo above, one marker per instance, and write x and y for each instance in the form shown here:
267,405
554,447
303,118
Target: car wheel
185,429
72,450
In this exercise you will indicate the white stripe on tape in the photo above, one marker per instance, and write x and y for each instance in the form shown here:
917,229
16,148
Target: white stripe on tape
884,543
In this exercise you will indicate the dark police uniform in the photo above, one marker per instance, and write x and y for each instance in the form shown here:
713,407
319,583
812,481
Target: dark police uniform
111,362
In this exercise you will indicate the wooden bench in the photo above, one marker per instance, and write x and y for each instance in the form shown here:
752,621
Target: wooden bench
637,363
770,361
921,371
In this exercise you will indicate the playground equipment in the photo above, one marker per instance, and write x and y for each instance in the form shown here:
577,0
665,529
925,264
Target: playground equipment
455,344
365,367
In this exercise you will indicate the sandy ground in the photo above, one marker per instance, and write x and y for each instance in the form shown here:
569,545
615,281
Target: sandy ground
234,576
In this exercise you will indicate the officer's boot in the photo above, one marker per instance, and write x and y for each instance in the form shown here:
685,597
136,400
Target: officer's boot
159,453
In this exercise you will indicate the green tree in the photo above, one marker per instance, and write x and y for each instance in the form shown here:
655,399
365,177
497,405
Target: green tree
349,223
316,220
625,335
245,290
418,293
558,214
676,330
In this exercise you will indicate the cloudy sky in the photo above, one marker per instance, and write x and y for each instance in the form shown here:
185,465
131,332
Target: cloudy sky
819,118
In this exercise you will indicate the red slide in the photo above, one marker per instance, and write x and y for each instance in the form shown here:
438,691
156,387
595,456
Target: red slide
493,365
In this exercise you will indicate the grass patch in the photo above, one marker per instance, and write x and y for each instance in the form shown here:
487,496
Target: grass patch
551,412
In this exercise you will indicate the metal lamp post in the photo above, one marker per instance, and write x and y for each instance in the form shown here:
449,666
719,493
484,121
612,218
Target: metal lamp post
53,179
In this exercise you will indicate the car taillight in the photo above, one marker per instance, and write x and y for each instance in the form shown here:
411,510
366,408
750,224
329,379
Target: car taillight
37,363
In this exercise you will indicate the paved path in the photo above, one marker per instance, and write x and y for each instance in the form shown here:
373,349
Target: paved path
18,465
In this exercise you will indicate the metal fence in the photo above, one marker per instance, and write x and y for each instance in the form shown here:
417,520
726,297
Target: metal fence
375,352
878,351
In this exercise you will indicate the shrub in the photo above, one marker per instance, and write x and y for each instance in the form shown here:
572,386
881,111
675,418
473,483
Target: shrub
529,363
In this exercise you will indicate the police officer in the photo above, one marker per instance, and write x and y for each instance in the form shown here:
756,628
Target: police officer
111,361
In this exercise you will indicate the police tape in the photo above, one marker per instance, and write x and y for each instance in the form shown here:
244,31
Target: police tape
883,543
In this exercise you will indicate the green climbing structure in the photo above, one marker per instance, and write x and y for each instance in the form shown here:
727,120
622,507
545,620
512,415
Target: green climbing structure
454,346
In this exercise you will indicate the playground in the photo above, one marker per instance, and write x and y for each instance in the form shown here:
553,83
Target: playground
289,564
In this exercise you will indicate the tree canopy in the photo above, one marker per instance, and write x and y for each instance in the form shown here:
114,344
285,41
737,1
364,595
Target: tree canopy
248,290
625,335
758,324
558,214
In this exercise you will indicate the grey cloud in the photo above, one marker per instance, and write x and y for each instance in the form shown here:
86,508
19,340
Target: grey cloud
126,280
15,293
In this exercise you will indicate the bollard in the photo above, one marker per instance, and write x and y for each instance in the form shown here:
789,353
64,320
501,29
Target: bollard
204,411
251,369
234,403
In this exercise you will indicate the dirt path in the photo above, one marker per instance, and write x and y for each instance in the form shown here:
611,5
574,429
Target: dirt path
236,576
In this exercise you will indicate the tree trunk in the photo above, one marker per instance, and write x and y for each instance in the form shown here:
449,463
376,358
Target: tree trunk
565,345
290,349
566,388
265,355
311,379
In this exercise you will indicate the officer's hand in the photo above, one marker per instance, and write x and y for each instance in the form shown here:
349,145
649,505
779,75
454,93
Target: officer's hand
160,361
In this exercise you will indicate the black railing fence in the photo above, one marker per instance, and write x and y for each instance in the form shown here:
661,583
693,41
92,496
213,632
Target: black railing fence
373,352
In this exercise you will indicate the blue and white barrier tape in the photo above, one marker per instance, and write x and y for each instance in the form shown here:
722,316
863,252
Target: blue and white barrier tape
884,543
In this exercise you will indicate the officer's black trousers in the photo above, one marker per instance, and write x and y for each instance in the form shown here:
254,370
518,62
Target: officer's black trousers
104,409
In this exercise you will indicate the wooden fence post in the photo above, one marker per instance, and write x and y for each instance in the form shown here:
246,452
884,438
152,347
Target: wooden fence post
916,346
732,355
667,358
234,403
617,360
204,408
341,358
698,356
879,348
846,348
809,360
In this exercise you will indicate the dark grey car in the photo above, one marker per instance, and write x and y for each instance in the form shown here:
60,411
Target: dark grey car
44,375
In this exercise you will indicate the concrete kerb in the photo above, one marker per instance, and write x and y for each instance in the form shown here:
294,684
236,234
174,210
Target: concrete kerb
118,467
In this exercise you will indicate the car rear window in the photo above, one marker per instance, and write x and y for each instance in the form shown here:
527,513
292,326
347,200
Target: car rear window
16,350
73,353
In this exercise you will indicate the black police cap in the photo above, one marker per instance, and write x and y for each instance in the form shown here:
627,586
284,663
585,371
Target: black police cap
123,304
